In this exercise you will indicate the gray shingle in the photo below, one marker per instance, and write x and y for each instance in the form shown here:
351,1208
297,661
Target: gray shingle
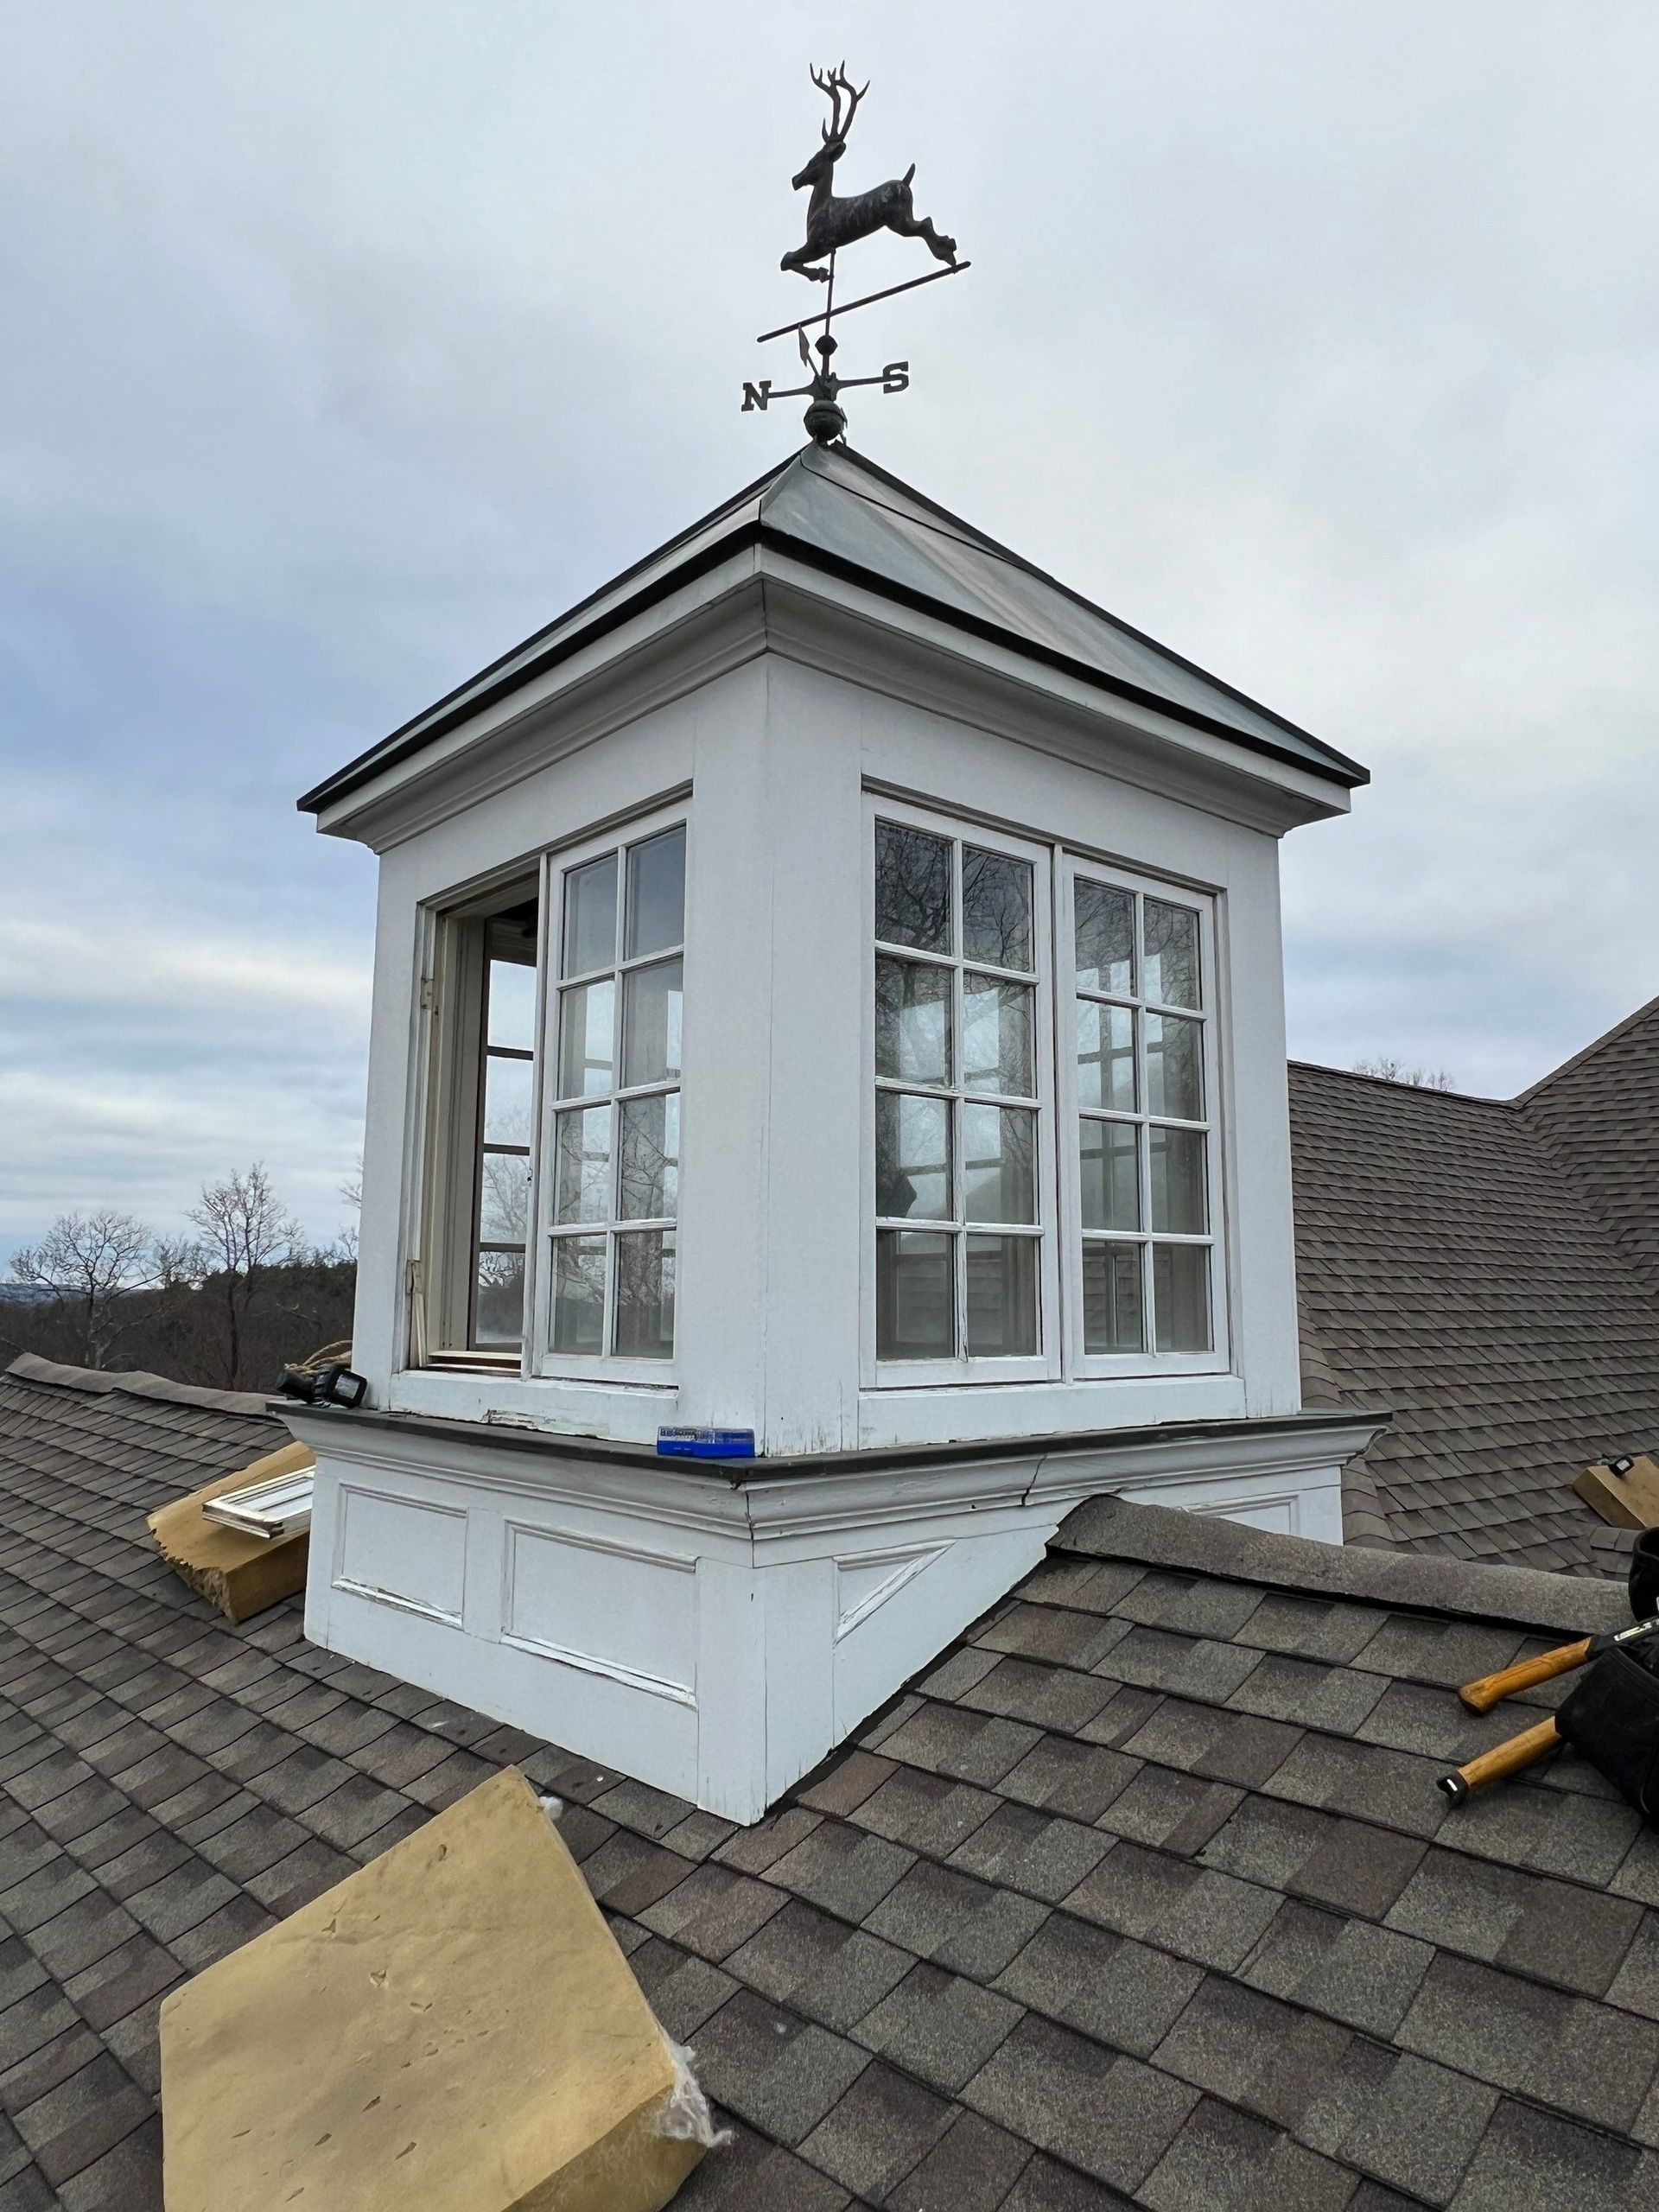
819,1966
879,2130
942,2026
1113,2117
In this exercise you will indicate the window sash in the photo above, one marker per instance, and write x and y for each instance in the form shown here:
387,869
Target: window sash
1144,1239
966,1231
558,1101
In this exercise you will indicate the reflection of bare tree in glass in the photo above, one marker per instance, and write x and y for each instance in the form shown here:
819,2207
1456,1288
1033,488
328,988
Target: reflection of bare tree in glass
1171,954
995,908
650,1158
913,887
503,1179
645,1292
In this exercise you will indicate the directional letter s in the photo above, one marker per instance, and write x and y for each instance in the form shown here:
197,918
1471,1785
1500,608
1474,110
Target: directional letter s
896,377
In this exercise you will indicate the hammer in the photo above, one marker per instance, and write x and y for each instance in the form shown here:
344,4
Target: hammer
1533,1744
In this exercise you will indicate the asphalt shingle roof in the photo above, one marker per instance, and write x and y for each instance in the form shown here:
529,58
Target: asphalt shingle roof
1142,1894
1477,1265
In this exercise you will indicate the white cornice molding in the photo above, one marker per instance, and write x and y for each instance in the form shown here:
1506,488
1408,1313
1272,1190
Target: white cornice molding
760,600
763,1512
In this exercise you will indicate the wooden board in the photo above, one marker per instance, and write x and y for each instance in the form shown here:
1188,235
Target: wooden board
1628,1501
240,1574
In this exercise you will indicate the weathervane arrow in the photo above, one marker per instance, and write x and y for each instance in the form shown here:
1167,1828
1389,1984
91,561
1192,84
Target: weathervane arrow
831,223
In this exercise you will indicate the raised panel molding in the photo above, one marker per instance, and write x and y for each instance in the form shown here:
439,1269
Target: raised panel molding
618,1610
866,1580
399,1553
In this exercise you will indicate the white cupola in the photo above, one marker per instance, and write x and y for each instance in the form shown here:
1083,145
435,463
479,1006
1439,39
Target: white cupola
828,985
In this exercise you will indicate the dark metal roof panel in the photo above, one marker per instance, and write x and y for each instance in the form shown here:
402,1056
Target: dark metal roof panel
842,510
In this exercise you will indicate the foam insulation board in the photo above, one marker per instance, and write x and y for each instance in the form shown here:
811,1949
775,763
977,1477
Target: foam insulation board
453,2029
241,1575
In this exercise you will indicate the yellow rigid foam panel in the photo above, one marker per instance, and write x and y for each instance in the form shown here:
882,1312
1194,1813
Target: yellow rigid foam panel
239,1574
453,2029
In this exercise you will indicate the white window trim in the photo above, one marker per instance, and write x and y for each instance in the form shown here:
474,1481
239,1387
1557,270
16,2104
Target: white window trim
1084,1365
541,1361
1047,1365
443,1188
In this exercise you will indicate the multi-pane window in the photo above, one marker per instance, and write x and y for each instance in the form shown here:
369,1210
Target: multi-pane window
615,1152
1144,1122
958,1205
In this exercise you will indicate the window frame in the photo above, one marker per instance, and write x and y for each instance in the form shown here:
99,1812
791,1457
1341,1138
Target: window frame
542,1360
981,1369
1081,1364
455,987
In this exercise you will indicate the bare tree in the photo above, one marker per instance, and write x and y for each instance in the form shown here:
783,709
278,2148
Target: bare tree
351,1190
1388,1071
245,1231
87,1263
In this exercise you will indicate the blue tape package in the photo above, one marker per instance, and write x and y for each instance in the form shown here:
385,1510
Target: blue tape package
705,1443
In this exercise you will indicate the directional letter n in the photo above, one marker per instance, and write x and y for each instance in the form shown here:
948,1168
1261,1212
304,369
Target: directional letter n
756,395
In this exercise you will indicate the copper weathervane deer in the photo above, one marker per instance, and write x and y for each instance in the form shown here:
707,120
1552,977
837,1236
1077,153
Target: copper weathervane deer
832,223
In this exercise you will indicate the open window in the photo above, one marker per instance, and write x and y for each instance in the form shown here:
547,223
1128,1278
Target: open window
552,1194
485,1106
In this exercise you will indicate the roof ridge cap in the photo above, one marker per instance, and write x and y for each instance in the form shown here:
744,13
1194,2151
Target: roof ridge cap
136,1383
1163,1536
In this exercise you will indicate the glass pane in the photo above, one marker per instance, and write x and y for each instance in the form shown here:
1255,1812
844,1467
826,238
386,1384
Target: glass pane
587,1040
651,1006
915,1295
996,1047
1111,1184
999,1159
511,1006
913,887
1105,1056
581,1181
1171,954
1180,1296
590,917
649,1189
1105,937
995,909
503,1198
579,1293
507,1088
1178,1200
655,894
1001,1296
1112,1317
1174,1067
912,1157
498,1305
645,1294
913,1022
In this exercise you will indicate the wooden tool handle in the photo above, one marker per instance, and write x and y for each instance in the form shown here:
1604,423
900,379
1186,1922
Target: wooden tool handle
1481,1696
1505,1758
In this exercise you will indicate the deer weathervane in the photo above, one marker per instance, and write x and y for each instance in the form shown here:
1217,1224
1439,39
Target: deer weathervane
832,223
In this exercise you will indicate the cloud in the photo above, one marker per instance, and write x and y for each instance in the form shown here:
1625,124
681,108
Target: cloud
346,345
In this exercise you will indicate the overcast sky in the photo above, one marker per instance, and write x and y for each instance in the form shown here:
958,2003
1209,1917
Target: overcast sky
347,342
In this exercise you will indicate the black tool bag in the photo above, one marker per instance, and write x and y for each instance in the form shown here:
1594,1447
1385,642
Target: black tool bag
1612,1719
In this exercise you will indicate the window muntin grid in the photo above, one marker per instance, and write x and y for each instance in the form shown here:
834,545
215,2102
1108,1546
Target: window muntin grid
959,1197
614,1151
505,1120
1147,1180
